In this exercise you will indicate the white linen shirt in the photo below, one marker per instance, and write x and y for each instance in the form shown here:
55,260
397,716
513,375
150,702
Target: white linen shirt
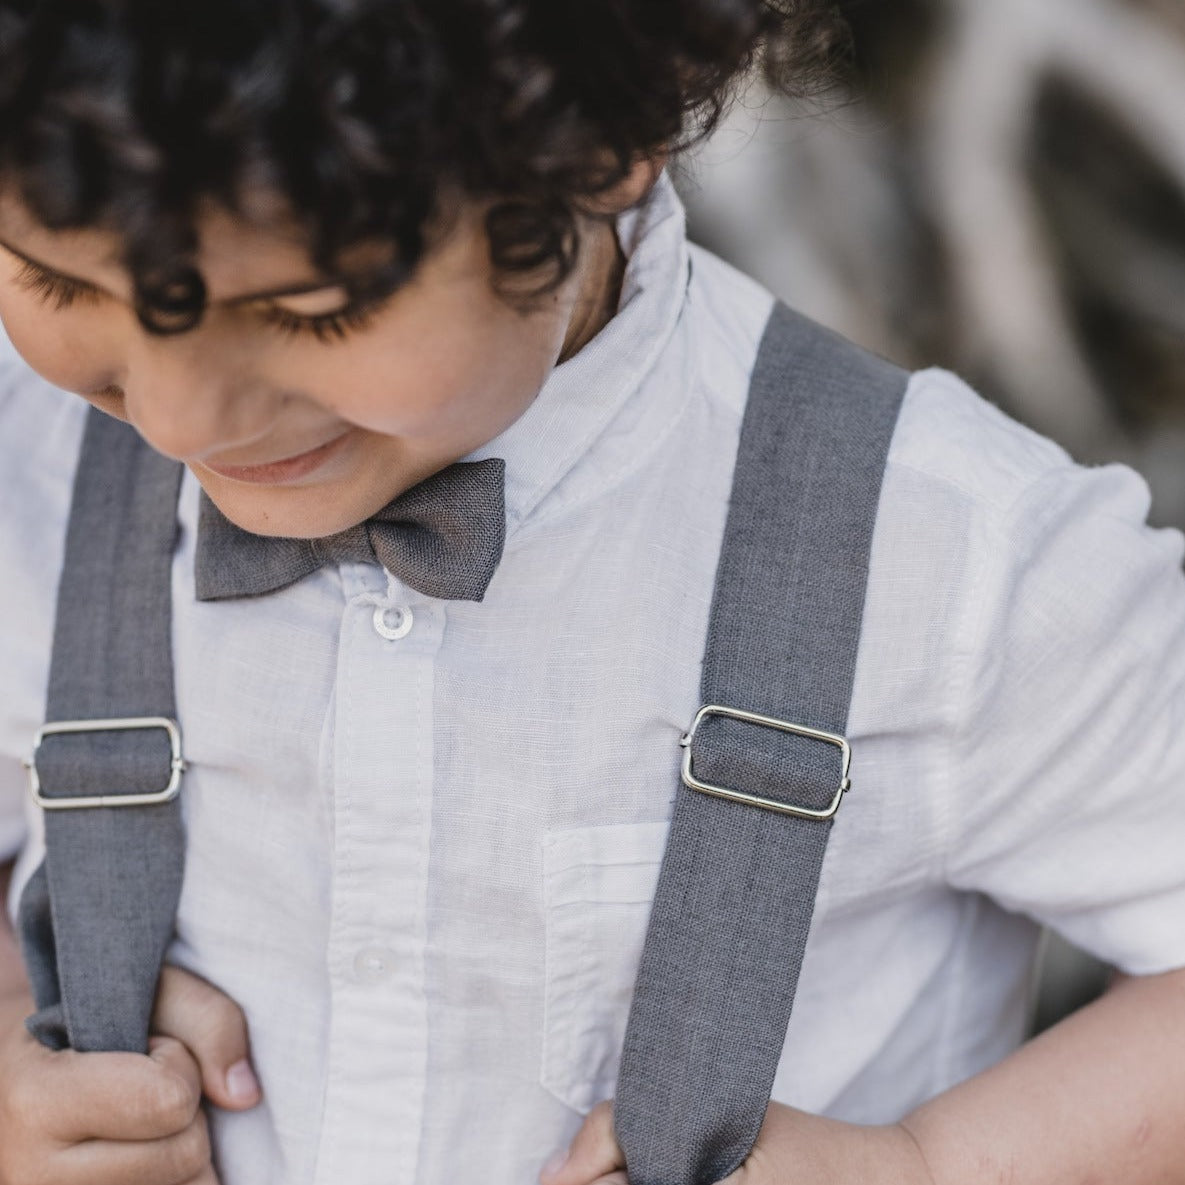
424,835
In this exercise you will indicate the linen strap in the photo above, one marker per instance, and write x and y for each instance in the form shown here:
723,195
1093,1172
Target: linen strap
97,916
736,891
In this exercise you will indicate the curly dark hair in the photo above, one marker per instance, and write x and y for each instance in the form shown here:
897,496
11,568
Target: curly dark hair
360,114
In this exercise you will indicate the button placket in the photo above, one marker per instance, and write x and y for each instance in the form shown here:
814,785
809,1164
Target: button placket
382,797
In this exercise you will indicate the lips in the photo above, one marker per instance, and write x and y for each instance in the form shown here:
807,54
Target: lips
281,472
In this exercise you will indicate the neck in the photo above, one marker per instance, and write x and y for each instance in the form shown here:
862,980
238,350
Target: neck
600,288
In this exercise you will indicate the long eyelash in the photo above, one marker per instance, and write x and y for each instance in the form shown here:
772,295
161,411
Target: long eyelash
51,287
325,327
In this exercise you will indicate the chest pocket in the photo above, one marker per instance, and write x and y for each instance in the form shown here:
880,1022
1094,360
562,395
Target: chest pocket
598,887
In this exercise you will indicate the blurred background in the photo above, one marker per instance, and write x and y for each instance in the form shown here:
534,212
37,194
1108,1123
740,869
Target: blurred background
999,188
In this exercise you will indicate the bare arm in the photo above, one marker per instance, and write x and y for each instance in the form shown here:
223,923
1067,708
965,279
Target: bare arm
1099,1098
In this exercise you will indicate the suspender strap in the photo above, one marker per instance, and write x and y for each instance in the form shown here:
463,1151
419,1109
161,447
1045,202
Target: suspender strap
98,915
737,887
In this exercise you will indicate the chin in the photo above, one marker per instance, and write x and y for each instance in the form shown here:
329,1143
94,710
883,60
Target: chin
294,512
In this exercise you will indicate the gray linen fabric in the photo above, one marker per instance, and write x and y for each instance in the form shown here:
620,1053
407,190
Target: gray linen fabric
737,887
443,537
97,916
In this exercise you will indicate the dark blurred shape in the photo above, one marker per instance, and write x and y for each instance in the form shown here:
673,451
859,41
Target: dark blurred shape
1116,221
1069,979
1004,194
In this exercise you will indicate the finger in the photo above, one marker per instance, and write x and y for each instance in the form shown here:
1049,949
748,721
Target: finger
206,1177
214,1029
594,1153
175,1160
113,1096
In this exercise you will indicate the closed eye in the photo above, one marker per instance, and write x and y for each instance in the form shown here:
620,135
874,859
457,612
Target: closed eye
325,327
60,291
64,292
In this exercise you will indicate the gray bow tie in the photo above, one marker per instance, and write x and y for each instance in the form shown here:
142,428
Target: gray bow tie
443,537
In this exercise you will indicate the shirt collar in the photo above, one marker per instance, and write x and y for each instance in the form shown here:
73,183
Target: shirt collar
583,397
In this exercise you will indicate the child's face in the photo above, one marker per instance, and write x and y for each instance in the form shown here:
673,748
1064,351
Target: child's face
289,434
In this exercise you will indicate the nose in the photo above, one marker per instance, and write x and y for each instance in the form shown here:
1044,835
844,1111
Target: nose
190,399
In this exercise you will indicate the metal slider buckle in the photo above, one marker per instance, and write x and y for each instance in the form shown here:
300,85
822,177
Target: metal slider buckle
130,724
769,804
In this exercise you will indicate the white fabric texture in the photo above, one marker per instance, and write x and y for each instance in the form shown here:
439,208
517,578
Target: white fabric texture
423,864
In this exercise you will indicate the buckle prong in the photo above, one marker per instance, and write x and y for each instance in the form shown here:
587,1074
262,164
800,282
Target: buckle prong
769,804
129,724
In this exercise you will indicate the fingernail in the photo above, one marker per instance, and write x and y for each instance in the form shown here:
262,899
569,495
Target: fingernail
241,1083
555,1163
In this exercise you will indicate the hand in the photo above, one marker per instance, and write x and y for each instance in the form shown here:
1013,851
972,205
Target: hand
71,1118
792,1147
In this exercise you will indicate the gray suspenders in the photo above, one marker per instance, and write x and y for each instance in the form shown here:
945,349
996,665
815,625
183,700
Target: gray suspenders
109,886
737,886
764,764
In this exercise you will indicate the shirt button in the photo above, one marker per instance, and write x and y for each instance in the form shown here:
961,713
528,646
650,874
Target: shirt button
374,964
393,624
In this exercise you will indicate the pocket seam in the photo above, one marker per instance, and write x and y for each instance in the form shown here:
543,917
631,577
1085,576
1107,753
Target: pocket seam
574,855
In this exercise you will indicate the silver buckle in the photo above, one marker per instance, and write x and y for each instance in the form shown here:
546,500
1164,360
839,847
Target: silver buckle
769,804
131,723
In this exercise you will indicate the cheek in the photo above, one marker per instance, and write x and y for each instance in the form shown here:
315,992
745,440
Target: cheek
59,346
436,383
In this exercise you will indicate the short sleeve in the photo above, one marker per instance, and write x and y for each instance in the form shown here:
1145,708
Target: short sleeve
1066,797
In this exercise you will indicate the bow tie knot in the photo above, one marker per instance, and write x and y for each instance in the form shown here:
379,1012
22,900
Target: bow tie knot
443,537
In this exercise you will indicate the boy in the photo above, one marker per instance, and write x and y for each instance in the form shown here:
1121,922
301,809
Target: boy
319,252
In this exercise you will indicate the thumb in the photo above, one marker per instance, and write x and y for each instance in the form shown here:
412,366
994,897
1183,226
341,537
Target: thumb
594,1157
212,1026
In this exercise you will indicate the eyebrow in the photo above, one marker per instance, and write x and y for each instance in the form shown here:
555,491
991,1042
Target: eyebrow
302,289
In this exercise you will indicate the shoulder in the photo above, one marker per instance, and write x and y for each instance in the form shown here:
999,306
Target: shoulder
1017,497
1005,577
40,434
1005,520
956,439
962,477
952,449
